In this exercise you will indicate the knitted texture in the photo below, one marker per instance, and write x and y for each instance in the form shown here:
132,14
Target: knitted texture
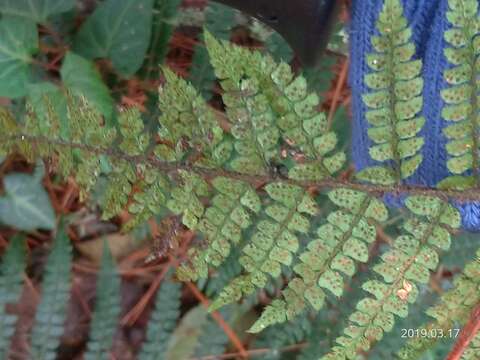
428,21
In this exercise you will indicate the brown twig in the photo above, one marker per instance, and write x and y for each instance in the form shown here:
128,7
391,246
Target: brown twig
467,195
220,321
338,90
468,332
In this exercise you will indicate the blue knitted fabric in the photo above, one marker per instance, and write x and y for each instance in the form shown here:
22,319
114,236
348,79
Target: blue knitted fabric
428,21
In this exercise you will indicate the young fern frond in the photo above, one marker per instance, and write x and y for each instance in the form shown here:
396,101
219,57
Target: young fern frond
11,282
162,322
107,309
341,242
52,310
461,97
413,256
453,308
273,242
395,101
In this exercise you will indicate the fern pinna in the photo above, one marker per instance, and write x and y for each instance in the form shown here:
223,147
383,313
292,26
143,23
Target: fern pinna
219,172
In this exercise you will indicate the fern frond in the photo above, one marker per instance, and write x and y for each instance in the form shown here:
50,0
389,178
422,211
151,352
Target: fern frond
303,126
410,260
219,20
282,335
107,309
213,341
162,322
274,241
453,308
341,242
254,130
221,225
189,125
395,101
52,310
461,96
11,282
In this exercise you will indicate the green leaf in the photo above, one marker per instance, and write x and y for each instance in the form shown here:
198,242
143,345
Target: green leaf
119,30
35,10
107,309
26,204
162,322
52,310
81,76
18,42
11,281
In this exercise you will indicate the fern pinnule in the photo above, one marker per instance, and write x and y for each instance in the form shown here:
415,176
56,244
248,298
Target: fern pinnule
221,225
273,242
395,99
11,282
107,309
413,256
341,242
162,322
453,308
52,310
461,96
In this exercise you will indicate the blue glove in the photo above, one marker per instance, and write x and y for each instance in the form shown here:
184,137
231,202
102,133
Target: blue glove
428,21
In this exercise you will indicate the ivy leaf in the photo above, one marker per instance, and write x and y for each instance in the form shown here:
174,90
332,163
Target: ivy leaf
18,42
26,205
38,10
80,75
119,30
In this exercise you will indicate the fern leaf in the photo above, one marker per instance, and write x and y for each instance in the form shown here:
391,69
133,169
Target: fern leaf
11,281
256,135
107,309
51,312
221,225
134,142
162,322
453,308
395,99
410,260
341,242
274,241
212,341
473,350
219,20
282,335
189,126
185,199
460,97
303,126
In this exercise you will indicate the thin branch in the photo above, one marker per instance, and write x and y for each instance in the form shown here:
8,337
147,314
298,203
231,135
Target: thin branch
461,196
